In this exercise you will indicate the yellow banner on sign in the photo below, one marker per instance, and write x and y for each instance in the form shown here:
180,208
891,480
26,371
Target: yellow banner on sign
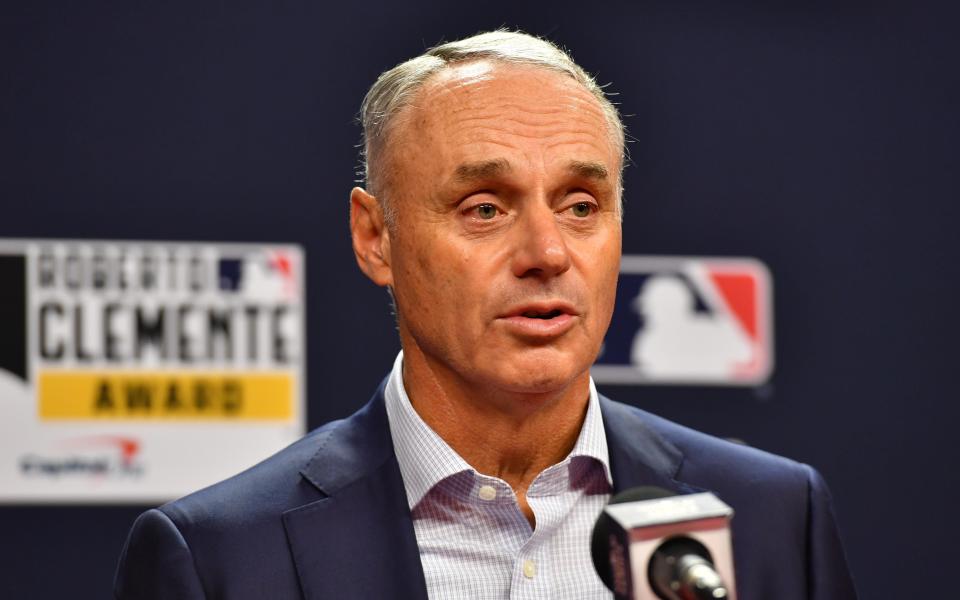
175,395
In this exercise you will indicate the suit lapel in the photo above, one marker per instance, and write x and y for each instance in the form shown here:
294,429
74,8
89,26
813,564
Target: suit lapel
639,456
358,541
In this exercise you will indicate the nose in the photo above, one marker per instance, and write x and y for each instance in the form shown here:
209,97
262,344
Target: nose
540,248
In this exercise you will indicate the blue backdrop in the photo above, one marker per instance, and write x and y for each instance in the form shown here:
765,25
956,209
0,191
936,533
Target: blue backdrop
820,137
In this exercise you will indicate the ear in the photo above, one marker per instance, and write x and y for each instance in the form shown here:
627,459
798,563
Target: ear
371,239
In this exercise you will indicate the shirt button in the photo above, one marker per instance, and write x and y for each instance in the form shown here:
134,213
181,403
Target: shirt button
487,492
529,569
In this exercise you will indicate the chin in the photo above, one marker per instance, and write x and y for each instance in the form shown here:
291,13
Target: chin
539,376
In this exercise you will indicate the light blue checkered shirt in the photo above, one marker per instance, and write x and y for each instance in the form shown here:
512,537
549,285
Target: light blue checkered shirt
475,543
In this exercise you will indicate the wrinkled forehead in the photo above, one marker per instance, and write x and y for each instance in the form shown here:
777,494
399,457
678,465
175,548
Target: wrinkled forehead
471,102
464,94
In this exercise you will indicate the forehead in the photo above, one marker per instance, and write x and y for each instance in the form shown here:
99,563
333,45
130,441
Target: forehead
470,109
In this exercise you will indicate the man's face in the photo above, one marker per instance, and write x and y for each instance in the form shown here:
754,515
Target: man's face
505,250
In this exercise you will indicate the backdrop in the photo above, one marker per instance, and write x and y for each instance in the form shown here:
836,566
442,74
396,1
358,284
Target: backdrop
819,137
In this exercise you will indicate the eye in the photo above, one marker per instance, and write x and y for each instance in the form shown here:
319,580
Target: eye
486,211
581,209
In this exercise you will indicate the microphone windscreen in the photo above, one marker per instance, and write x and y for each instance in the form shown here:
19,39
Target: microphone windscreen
600,541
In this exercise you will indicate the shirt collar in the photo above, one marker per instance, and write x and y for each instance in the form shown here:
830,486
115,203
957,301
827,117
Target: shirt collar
425,459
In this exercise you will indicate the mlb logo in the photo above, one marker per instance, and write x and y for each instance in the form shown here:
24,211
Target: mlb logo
689,320
268,275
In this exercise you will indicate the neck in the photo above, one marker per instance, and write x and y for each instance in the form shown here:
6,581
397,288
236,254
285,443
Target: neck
506,434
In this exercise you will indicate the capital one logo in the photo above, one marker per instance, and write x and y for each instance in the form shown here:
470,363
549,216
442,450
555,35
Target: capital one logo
92,456
689,320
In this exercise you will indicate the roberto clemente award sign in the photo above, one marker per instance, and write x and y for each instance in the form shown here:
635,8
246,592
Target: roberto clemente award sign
141,371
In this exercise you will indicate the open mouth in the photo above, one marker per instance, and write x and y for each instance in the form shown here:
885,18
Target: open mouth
542,315
542,321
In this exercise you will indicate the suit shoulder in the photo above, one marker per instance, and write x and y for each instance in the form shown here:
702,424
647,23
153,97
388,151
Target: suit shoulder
713,463
217,537
267,488
156,562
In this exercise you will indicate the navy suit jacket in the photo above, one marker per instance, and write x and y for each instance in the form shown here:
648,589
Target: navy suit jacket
328,517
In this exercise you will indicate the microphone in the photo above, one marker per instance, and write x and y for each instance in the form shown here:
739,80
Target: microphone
649,544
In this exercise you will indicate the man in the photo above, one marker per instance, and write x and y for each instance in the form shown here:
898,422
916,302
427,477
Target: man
492,214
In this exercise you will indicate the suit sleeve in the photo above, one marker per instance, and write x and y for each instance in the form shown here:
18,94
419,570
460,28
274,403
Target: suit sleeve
156,562
828,577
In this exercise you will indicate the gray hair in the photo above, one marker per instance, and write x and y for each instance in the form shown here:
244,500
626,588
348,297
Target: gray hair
395,89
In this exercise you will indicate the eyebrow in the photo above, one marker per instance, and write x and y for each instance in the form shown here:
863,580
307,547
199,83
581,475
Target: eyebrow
482,170
589,170
486,169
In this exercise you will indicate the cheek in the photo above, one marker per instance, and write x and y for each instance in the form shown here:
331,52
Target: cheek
433,279
608,272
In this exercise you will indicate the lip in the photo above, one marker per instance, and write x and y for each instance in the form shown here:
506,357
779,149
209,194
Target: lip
533,327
